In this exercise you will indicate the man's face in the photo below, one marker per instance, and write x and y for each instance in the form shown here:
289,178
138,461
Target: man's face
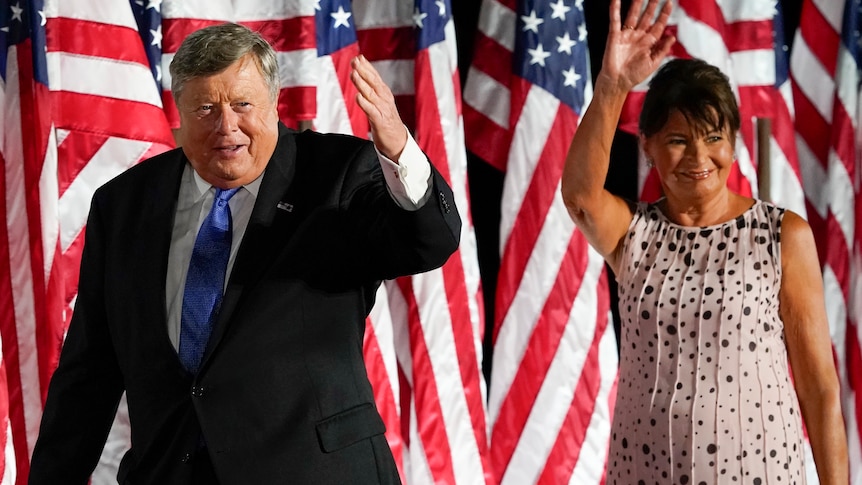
228,124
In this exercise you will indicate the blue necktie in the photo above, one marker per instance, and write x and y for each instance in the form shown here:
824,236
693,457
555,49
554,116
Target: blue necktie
205,281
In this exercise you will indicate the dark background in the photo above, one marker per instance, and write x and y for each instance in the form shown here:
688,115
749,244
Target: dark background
486,182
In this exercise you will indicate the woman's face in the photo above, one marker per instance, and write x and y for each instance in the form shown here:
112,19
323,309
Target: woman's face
692,165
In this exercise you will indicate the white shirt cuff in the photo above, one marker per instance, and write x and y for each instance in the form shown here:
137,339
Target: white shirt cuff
409,180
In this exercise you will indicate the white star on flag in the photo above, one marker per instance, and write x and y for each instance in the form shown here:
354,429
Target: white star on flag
538,55
341,18
572,77
560,10
418,18
566,43
16,12
157,37
532,22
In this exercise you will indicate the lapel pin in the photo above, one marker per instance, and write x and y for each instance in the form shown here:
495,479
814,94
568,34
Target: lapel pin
285,206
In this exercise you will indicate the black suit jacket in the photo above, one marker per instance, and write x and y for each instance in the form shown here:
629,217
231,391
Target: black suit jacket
282,395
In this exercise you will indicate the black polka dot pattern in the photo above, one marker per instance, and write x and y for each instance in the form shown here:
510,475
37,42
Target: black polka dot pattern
704,393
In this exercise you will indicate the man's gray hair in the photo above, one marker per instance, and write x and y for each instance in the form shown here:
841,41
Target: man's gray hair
213,49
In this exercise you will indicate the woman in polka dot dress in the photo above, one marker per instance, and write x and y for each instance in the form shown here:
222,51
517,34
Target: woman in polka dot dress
720,295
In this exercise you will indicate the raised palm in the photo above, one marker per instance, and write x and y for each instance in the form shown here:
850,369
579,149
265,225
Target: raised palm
636,47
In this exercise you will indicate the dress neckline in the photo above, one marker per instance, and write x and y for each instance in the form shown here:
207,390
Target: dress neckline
654,206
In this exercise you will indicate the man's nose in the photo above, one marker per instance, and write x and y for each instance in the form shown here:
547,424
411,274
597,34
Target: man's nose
227,121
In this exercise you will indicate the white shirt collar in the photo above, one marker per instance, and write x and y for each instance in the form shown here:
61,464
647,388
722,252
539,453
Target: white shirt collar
203,186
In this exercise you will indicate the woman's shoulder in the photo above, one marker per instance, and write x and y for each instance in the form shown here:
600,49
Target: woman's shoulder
794,227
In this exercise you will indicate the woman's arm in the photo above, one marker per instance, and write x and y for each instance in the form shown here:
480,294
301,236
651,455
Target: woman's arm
634,50
809,347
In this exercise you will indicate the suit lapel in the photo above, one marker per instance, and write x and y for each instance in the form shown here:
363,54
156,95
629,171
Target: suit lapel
268,229
162,207
149,244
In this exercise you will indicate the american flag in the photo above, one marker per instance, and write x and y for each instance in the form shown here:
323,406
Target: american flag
825,70
782,181
30,289
337,111
554,349
55,68
744,38
120,78
438,317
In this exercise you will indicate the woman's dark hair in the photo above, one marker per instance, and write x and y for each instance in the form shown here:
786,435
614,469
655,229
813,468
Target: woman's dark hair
700,91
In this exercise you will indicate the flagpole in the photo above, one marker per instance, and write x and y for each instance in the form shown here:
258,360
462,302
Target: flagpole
764,134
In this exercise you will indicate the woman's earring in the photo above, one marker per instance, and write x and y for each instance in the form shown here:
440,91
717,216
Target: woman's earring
650,163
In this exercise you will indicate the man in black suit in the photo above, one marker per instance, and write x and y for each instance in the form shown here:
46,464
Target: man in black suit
280,393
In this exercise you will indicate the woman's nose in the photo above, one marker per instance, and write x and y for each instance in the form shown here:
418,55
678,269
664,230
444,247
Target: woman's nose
695,152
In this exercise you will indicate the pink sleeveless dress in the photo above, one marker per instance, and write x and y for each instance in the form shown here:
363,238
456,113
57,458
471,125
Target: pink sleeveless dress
704,395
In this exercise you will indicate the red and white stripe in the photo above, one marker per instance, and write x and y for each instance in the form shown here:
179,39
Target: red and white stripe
8,465
438,317
555,358
28,151
825,90
55,155
288,26
548,393
737,36
487,95
382,366
86,71
337,111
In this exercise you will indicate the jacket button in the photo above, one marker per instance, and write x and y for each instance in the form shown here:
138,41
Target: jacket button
186,458
197,391
444,203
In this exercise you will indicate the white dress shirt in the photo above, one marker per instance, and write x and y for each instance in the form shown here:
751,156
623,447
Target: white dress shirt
408,182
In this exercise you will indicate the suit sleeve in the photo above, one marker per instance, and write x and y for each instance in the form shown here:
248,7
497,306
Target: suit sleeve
392,241
86,387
